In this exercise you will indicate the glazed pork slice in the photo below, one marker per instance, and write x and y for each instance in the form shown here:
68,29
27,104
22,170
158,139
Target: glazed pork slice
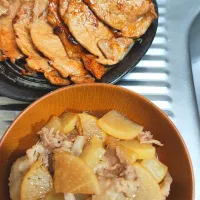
63,4
50,45
2,56
40,7
131,17
23,39
90,32
73,49
7,40
4,7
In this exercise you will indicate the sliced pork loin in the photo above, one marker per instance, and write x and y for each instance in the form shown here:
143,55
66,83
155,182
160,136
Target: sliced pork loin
63,5
2,56
115,48
8,44
73,49
50,45
91,33
23,39
40,8
131,17
4,7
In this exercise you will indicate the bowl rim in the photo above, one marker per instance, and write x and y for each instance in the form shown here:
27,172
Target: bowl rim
115,87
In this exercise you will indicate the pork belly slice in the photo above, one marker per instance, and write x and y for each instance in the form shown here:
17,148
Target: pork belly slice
23,39
50,45
73,49
8,44
88,30
131,17
4,7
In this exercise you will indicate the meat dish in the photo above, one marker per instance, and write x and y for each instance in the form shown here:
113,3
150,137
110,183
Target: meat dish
81,157
8,44
71,41
73,49
131,18
4,7
84,24
24,42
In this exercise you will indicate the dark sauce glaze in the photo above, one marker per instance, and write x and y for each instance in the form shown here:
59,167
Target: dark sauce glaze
59,29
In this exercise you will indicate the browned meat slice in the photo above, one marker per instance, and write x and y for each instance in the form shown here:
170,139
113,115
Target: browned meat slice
131,17
93,66
21,28
72,68
63,4
46,41
52,75
34,60
7,37
4,7
73,49
115,47
82,23
89,31
2,56
40,7
50,45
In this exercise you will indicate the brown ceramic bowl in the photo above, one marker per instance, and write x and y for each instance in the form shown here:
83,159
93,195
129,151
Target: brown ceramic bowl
99,98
